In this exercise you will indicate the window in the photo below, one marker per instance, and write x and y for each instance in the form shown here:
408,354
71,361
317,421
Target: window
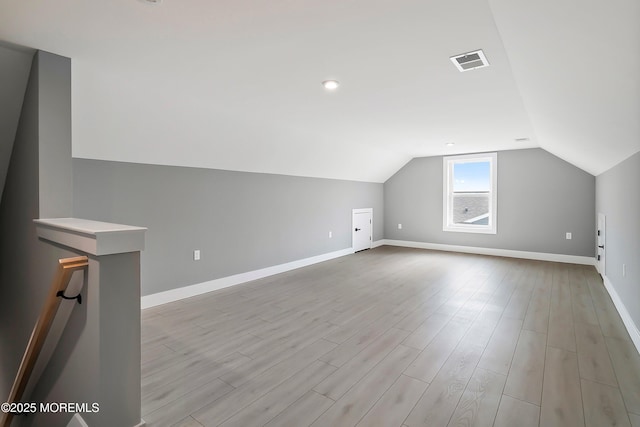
470,193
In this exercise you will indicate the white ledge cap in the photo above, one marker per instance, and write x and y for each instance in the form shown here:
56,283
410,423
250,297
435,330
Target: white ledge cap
93,237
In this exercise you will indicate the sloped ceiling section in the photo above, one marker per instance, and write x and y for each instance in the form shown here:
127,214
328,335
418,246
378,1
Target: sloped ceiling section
577,67
15,65
236,84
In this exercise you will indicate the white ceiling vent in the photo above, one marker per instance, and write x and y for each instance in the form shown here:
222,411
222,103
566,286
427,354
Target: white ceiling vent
470,60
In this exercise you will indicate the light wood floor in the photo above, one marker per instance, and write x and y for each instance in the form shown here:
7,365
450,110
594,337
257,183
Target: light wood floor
395,337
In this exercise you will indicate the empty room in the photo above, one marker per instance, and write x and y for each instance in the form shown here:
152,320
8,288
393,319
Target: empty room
343,213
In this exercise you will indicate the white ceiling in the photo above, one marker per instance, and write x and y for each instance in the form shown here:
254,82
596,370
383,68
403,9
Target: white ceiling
235,84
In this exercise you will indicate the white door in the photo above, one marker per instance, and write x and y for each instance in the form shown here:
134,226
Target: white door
361,229
601,244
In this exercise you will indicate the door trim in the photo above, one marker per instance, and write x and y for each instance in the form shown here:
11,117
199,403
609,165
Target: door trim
359,211
362,210
601,265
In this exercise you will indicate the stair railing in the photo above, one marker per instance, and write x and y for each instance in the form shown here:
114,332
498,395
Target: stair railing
57,293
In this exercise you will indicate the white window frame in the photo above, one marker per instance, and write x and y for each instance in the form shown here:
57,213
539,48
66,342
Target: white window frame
447,198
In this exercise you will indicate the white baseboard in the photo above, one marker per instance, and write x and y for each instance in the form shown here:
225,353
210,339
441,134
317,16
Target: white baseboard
377,243
540,256
634,333
165,297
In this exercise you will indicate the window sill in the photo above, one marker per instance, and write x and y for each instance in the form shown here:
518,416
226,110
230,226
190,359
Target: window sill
471,230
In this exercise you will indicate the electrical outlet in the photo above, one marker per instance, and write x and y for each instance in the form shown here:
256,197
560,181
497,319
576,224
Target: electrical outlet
624,270
196,255
399,226
568,236
330,234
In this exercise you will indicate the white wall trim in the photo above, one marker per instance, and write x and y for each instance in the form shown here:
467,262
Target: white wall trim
353,215
377,243
362,210
541,256
94,237
634,333
448,163
165,297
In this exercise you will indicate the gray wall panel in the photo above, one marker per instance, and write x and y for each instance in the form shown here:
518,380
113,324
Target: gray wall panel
14,74
27,265
240,221
23,283
55,131
540,198
618,197
38,183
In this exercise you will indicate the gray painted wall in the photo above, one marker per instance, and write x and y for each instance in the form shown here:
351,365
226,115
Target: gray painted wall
240,221
26,264
83,367
618,197
540,198
54,127
14,73
98,356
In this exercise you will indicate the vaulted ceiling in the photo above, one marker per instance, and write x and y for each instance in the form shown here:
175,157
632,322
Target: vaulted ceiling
236,84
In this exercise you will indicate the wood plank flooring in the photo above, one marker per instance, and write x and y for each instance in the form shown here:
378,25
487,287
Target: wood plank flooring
395,337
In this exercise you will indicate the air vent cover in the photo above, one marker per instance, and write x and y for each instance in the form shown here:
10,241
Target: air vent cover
470,60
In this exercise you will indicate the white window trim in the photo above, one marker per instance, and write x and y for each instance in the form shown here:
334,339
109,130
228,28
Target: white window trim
447,194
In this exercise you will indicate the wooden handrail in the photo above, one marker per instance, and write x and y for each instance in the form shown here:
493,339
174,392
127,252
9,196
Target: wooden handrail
66,268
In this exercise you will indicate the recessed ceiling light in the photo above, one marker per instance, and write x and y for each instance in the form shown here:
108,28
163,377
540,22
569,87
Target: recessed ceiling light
450,144
522,139
331,84
152,1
